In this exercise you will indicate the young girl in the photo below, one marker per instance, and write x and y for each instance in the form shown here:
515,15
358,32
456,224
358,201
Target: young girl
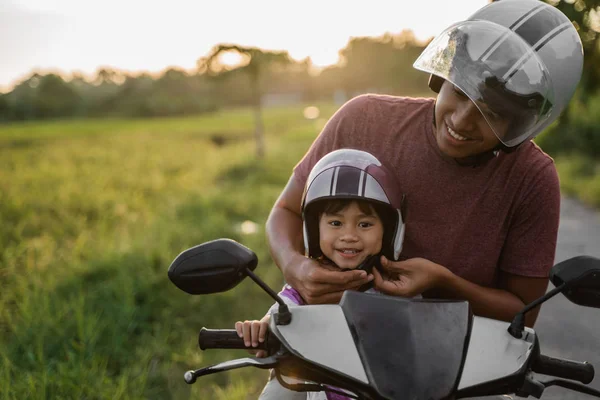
351,212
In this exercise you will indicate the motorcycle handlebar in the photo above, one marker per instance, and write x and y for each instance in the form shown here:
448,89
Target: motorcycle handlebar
224,339
568,369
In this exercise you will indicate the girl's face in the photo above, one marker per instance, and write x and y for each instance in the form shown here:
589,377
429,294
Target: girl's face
461,130
349,236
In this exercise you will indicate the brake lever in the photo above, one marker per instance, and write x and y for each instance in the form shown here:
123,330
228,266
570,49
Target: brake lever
578,387
262,363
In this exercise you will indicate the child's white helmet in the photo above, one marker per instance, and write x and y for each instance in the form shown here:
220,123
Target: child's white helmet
353,174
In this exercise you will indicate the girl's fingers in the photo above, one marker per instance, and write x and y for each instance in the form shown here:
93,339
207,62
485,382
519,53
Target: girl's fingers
254,332
263,331
246,333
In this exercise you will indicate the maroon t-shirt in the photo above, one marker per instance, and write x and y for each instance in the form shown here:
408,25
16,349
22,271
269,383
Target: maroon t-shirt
501,214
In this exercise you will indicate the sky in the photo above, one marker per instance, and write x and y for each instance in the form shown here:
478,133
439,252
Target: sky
68,36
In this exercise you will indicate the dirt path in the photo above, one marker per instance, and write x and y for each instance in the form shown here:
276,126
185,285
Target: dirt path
566,330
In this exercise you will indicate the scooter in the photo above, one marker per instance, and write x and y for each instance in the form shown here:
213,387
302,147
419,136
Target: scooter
374,346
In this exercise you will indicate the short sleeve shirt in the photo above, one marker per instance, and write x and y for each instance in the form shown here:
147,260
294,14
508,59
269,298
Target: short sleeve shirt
474,220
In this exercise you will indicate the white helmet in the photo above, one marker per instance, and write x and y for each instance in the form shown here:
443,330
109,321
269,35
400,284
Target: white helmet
353,174
517,60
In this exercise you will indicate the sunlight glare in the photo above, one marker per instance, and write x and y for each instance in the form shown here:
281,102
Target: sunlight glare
323,57
311,112
248,227
64,35
231,59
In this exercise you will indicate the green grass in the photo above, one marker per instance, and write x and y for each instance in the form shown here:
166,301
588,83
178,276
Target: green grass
233,122
580,178
93,212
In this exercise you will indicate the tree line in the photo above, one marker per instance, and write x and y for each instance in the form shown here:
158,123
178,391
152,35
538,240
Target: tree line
367,63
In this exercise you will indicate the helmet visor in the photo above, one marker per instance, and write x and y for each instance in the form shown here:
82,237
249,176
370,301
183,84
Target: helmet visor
498,71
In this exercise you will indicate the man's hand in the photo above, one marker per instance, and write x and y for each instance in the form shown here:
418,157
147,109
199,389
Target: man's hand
409,278
321,283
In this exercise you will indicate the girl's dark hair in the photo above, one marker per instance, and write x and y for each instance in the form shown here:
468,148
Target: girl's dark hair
336,205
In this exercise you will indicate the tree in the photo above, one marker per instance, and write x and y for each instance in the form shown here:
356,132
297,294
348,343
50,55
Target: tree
5,108
55,98
585,14
258,61
382,63
23,96
577,128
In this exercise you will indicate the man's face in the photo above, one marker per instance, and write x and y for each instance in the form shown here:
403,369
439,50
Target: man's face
461,130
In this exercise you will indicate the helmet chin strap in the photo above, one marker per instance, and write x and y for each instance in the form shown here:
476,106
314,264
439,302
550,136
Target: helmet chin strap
435,83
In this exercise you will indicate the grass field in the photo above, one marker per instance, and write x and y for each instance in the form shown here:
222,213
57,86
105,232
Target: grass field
93,212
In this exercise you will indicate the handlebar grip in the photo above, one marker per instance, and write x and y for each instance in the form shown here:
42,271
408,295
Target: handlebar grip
223,339
568,369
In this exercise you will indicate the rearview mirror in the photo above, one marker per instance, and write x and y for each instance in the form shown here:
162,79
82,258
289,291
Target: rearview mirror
582,276
212,267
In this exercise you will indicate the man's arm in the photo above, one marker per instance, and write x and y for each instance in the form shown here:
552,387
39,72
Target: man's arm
284,227
514,292
418,275
315,284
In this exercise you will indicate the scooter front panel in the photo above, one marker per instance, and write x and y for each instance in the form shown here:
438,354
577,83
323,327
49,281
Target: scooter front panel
494,353
320,334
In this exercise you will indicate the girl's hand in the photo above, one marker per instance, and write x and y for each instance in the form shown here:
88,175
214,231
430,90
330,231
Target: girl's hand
409,278
253,333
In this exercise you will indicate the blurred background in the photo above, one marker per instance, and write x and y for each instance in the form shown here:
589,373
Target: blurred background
131,131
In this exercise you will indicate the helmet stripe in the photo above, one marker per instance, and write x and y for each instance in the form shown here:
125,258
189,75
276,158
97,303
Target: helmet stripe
348,181
334,178
518,23
494,46
526,17
553,33
516,66
536,47
361,183
537,26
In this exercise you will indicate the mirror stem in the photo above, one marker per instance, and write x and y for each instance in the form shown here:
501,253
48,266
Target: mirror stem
517,326
283,316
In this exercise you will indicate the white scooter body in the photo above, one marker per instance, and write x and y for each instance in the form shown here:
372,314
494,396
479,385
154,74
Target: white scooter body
384,347
322,335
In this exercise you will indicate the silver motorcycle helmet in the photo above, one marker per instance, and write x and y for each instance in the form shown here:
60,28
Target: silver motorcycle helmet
519,61
353,174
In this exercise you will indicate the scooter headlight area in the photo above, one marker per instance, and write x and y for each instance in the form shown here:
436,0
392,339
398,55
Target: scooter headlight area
357,343
372,346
